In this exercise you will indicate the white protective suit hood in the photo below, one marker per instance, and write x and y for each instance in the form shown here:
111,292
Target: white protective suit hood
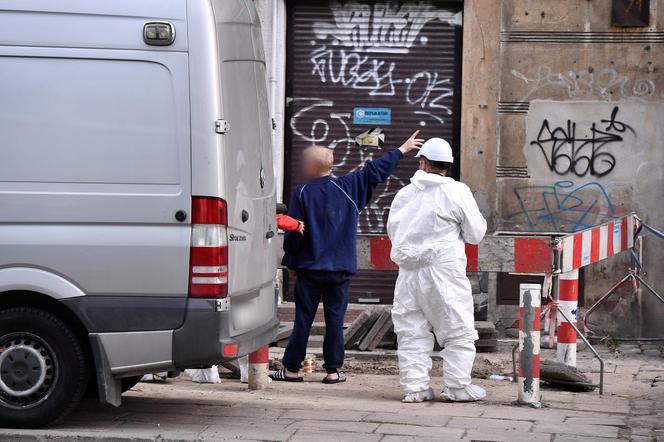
430,220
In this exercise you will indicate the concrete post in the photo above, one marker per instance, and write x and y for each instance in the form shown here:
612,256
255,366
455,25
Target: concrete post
259,362
568,302
530,302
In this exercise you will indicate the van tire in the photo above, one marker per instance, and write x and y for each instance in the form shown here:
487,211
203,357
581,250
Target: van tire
57,358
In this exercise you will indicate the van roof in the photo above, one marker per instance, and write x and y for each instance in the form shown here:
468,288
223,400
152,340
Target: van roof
115,24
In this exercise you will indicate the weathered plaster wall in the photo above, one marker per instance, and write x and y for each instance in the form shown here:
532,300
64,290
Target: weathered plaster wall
479,98
581,138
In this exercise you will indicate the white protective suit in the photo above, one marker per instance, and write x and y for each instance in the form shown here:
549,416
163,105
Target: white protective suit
429,221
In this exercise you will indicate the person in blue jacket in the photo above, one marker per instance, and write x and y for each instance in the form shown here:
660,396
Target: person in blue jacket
323,257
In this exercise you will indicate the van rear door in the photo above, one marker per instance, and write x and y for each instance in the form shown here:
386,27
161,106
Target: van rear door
247,156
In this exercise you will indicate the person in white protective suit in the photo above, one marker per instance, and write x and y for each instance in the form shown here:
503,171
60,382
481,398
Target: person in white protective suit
429,222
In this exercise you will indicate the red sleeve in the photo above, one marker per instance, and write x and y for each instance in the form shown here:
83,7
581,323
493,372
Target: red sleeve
285,222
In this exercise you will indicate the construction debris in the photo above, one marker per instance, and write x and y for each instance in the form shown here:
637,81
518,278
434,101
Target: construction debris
565,377
377,331
233,367
374,326
356,331
488,337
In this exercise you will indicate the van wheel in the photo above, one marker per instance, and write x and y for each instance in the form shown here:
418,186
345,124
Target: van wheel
43,370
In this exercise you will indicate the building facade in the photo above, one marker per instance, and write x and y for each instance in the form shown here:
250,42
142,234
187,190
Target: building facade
555,110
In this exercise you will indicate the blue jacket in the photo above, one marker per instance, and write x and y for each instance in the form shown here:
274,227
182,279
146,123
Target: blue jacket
330,208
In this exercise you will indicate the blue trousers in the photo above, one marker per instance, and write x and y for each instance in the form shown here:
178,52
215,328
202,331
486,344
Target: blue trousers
312,286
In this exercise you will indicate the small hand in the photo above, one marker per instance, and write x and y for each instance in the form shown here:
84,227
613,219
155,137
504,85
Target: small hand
300,228
411,143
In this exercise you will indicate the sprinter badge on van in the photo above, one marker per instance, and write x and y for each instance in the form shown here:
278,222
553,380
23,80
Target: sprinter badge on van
261,177
158,33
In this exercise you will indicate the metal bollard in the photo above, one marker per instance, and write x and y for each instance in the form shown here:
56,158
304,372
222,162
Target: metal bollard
569,303
530,302
259,365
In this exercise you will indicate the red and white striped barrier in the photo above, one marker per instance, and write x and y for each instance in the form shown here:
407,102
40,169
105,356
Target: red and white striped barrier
548,253
530,303
494,254
568,302
559,255
597,243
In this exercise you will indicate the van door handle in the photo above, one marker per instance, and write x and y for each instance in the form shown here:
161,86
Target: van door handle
269,234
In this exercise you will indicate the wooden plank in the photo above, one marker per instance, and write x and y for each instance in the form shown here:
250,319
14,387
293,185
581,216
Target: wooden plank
491,342
386,327
363,328
484,325
352,329
382,324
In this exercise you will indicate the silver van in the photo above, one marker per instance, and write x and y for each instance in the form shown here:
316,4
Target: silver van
137,196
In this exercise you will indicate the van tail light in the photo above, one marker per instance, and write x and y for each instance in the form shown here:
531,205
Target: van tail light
208,268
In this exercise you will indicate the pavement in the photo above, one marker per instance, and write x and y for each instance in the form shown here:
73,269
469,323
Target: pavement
368,408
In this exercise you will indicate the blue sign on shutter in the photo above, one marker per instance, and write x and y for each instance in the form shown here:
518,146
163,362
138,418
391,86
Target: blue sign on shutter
372,115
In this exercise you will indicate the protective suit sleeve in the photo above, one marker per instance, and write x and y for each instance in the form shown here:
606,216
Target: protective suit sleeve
395,207
361,184
473,224
293,239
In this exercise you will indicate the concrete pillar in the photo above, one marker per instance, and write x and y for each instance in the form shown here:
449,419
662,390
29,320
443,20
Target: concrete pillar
530,301
568,303
259,365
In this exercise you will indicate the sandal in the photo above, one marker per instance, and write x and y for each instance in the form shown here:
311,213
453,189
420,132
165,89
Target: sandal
341,378
280,375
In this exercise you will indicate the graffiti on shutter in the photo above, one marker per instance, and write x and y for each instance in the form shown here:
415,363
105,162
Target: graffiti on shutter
396,59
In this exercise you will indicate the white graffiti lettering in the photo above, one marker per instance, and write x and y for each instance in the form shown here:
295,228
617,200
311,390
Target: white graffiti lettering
380,26
431,84
354,70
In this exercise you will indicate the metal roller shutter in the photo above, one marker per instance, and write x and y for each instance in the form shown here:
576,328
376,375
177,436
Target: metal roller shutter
352,63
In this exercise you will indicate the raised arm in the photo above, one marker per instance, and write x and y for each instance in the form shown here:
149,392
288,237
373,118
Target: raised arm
361,184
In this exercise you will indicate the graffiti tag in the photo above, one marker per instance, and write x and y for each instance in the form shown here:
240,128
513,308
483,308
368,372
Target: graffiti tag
565,151
606,83
562,207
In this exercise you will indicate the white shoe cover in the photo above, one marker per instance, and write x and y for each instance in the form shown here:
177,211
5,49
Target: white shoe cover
418,396
469,393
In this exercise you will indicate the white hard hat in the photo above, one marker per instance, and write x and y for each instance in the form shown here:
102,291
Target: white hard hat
436,149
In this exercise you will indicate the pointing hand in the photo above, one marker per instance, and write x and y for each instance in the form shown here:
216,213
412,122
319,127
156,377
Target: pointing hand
411,143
